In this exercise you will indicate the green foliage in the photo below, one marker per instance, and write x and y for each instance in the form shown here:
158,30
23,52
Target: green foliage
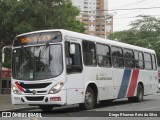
144,32
20,16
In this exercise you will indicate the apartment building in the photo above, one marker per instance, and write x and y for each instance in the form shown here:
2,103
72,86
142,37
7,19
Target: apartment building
95,17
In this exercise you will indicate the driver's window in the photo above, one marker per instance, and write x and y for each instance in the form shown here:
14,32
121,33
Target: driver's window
73,61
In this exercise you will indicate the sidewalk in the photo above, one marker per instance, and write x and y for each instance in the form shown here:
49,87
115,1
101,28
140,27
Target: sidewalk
5,104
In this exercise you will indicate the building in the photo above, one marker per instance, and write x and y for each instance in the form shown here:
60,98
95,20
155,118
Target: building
94,15
5,72
5,88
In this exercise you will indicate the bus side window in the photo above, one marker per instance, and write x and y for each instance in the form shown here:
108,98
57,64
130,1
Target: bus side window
136,59
129,58
139,60
154,62
73,61
89,53
148,61
117,57
103,55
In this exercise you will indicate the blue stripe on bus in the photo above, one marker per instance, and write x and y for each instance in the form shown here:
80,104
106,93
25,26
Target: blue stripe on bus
21,83
26,89
124,83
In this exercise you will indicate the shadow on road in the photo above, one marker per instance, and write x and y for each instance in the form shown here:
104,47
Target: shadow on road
75,109
117,103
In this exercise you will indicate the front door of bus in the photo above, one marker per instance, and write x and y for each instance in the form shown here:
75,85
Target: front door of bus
74,69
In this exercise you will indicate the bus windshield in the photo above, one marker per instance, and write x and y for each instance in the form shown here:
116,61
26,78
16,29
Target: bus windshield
37,62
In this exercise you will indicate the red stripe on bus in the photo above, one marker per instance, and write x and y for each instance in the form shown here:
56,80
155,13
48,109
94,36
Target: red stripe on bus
133,83
19,87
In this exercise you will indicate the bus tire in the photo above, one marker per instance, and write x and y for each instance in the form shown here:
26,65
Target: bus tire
46,108
140,93
89,101
139,96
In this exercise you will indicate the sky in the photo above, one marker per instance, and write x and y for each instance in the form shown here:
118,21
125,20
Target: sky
122,18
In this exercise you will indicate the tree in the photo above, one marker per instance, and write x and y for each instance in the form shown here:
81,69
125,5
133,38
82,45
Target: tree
144,32
20,16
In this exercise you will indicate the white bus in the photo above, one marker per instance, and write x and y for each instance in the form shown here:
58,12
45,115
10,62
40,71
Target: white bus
59,67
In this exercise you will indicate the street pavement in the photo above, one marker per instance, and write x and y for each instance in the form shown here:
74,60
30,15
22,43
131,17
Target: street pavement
150,103
6,105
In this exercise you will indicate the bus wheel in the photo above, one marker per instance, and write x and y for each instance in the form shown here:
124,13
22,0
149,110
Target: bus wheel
89,100
46,108
140,93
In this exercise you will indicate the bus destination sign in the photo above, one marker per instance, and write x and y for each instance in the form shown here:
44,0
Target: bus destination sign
38,38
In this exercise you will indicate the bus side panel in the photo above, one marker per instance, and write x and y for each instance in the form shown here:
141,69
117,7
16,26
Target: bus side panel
75,88
103,79
148,79
146,76
133,83
150,82
120,82
125,82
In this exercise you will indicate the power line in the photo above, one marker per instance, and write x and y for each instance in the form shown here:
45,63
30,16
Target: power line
150,10
133,3
157,3
133,9
147,8
133,17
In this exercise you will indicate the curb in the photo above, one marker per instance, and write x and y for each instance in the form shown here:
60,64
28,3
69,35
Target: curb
5,95
17,109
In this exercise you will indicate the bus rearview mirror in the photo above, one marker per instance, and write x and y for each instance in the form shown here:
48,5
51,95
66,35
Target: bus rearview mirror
3,57
72,49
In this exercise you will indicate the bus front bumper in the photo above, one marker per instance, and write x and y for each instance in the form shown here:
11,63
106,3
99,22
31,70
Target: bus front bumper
47,99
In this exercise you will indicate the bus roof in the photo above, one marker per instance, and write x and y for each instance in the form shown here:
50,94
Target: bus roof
94,39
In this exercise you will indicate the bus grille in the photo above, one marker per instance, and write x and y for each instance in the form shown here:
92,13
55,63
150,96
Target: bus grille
39,98
35,86
36,91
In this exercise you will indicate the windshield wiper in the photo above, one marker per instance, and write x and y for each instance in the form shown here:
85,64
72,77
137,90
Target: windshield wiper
30,55
50,40
23,49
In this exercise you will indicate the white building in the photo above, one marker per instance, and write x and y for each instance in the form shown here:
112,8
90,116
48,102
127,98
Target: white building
93,13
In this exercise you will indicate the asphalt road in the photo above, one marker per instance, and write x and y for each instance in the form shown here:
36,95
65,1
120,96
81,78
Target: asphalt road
150,105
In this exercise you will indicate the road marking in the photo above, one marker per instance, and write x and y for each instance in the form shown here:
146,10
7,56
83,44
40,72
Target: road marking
34,119
68,113
150,108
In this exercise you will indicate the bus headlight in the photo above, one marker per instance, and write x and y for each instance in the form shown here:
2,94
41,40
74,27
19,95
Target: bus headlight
15,90
55,89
